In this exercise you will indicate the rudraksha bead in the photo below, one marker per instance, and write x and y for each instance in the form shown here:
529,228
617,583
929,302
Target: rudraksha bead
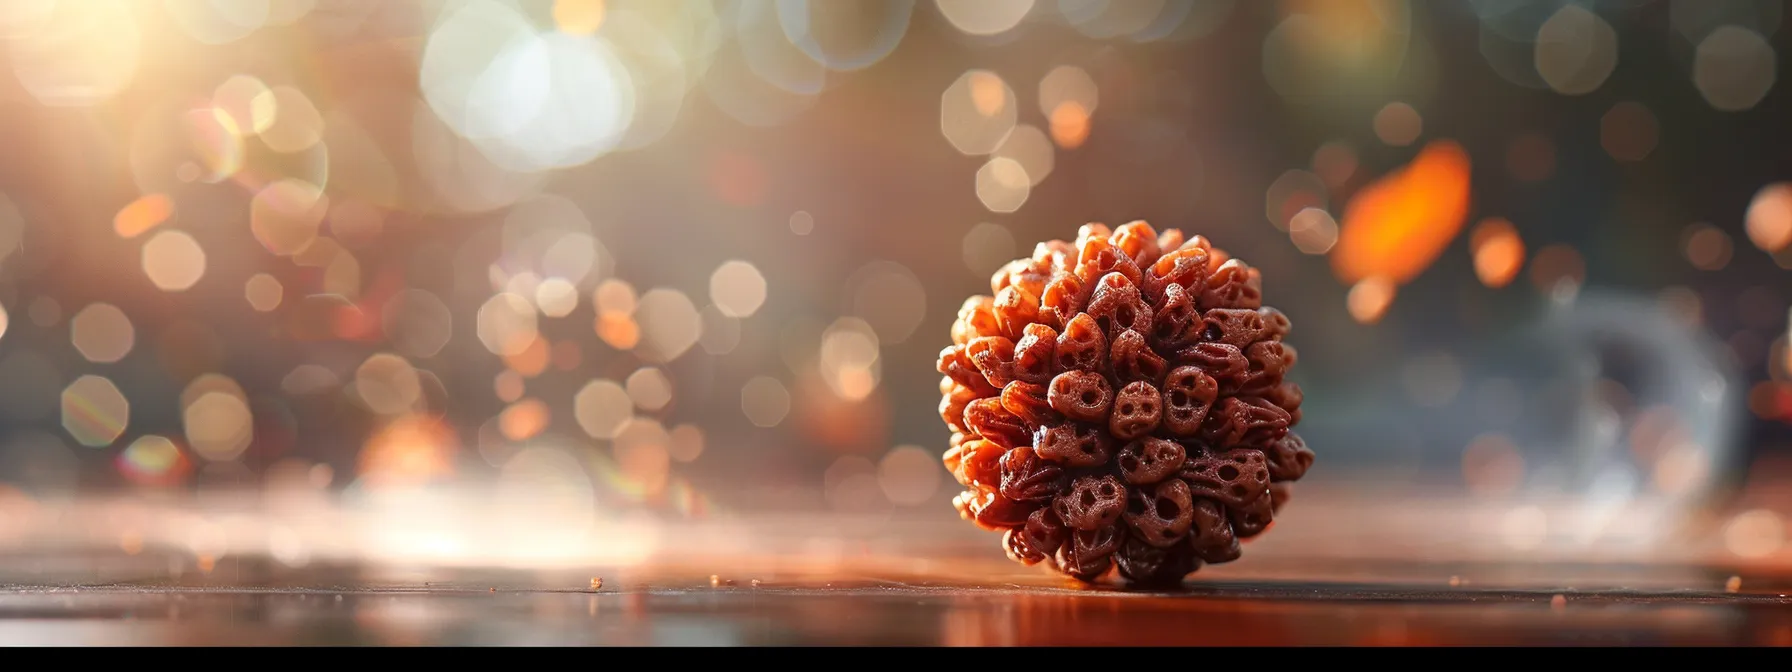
1121,401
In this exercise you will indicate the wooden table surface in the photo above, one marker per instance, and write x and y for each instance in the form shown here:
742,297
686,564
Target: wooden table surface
929,580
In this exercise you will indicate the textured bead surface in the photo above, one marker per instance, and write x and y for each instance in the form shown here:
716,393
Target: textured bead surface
1120,403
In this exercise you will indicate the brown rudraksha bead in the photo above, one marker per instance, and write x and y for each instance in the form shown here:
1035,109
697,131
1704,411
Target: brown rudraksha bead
1119,403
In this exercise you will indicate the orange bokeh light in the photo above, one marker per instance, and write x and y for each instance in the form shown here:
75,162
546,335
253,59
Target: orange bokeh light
523,420
1498,252
142,215
1070,124
1368,300
1395,227
619,330
532,360
412,450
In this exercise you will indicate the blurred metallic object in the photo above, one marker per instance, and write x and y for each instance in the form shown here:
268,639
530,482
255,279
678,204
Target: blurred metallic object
1606,404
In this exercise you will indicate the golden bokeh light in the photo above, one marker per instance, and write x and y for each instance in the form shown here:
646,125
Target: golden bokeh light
507,324
143,214
264,292
1498,251
849,358
737,289
84,53
1313,231
247,102
152,460
649,388
1032,149
216,418
984,17
1003,185
669,325
1070,125
1292,192
687,443
408,451
977,112
1770,217
296,124
388,385
601,408
102,333
989,94
1394,228
765,401
524,419
1369,299
94,412
1068,84
614,296
533,359
508,385
579,17
556,297
285,215
618,330
173,261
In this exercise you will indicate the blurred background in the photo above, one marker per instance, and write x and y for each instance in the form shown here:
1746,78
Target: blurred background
565,283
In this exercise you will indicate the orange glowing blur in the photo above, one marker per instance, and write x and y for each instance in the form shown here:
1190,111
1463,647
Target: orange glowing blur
532,360
1498,252
523,420
1395,227
988,93
1369,300
509,385
142,215
1070,124
619,330
411,450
